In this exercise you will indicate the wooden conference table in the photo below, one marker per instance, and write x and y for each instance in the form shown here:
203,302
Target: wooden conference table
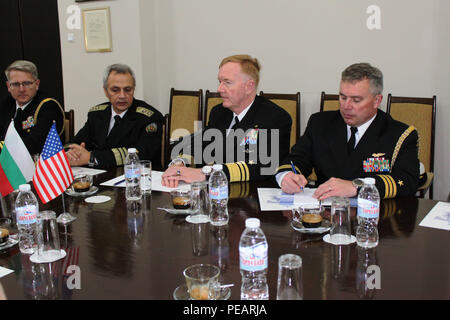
139,252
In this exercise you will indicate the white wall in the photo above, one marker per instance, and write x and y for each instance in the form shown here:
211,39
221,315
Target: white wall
82,71
302,46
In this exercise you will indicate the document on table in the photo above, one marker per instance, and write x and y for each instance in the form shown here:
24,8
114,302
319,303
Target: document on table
273,199
156,183
438,217
5,272
83,170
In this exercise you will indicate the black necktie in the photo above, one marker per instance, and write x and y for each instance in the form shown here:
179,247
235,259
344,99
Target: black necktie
116,123
18,113
236,122
351,142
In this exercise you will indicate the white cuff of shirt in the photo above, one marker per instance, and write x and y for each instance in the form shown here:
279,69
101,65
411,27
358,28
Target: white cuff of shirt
280,176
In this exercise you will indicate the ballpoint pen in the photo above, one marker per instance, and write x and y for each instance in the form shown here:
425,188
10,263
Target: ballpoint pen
119,182
295,171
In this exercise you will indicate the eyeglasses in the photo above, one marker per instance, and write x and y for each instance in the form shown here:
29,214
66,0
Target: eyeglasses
25,84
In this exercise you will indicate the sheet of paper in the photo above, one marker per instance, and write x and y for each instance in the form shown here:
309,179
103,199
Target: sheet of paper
438,217
156,183
273,199
5,272
83,170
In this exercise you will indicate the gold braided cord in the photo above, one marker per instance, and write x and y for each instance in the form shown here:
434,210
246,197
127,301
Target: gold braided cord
39,109
400,141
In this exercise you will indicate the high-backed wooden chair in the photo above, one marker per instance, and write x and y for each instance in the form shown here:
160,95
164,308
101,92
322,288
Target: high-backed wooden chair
185,110
69,125
165,142
290,103
420,113
211,100
329,102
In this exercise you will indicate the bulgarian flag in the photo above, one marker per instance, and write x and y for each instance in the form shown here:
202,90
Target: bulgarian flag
16,164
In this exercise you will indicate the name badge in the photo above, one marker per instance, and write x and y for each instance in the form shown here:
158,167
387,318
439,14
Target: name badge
376,165
29,123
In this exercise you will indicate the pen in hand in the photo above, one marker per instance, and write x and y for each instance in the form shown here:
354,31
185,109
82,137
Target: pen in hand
295,171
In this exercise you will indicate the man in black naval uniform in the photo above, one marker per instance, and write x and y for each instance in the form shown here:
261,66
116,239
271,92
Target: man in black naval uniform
33,111
357,141
244,156
113,127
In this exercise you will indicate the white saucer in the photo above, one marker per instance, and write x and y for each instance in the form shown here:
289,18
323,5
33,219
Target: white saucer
199,218
327,239
90,192
182,293
35,258
97,199
324,227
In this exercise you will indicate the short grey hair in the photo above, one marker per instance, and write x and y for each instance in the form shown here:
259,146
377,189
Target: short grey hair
363,71
22,65
119,68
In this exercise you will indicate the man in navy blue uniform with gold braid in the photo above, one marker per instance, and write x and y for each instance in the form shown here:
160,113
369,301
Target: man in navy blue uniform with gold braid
241,109
357,141
113,127
32,110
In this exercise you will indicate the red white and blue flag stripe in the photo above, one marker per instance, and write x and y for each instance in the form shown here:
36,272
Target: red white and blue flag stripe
53,174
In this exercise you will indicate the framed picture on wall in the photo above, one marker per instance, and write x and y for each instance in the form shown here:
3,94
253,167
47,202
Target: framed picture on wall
97,30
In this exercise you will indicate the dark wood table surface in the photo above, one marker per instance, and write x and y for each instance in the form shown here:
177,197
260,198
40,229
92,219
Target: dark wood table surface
135,251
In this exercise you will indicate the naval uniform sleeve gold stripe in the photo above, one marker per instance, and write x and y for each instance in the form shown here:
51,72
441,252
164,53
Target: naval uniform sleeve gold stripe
394,186
117,156
234,176
124,153
241,171
288,166
386,186
244,169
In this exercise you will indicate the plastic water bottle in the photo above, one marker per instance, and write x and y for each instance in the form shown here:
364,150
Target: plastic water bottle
368,215
132,176
218,196
253,249
27,209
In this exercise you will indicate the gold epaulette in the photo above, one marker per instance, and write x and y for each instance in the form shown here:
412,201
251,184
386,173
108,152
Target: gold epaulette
238,171
100,107
144,111
119,155
1,144
288,166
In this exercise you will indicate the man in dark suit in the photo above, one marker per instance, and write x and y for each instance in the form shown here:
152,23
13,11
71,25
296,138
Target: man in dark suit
113,127
247,129
357,141
32,110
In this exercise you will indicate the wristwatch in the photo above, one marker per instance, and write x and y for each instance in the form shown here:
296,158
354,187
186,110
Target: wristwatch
91,162
358,183
206,170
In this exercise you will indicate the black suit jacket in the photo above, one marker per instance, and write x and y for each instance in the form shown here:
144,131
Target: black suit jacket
246,155
33,131
140,128
323,147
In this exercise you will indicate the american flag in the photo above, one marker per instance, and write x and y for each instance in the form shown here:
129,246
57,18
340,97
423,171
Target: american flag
53,174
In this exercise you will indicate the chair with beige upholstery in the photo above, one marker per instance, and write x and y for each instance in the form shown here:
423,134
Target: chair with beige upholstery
211,100
69,125
185,110
165,142
291,103
329,102
420,113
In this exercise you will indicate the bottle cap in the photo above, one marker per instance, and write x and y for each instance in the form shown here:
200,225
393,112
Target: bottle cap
369,180
24,187
131,150
217,167
252,223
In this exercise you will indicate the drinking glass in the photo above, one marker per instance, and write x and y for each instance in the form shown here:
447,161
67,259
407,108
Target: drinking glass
340,232
48,237
290,285
199,280
199,202
146,176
